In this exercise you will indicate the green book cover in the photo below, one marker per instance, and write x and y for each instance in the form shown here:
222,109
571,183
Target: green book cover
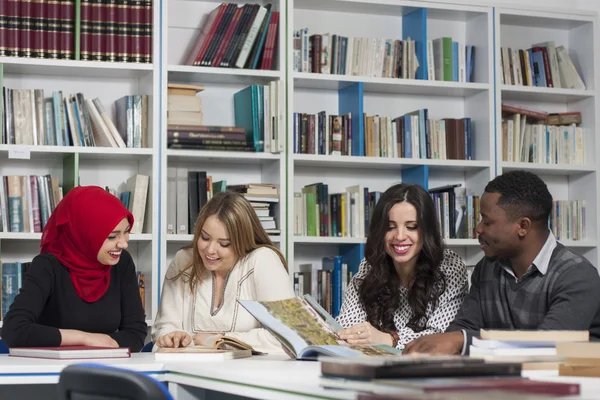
447,50
70,172
77,34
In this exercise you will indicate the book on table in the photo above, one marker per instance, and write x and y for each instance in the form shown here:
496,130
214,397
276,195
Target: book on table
70,352
199,353
306,330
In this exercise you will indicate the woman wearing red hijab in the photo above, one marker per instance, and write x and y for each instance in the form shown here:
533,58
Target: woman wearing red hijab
82,289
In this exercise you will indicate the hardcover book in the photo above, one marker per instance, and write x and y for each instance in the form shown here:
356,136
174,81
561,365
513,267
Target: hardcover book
70,352
306,330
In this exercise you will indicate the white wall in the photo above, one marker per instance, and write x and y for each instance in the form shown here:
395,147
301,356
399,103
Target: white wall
583,5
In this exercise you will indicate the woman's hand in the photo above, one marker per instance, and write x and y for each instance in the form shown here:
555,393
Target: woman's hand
99,340
202,339
365,333
174,339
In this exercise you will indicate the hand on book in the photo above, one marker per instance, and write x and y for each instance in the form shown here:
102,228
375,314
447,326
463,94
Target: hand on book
174,339
99,340
441,343
206,339
364,333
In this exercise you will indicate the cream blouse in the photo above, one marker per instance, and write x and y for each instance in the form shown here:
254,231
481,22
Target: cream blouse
258,276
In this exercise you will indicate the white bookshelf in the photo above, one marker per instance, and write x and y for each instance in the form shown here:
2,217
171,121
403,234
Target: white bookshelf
96,165
521,29
313,92
182,21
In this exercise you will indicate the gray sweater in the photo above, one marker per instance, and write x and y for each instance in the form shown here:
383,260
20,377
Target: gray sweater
567,297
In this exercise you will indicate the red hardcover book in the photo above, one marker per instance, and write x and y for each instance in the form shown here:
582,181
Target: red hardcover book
109,15
147,32
216,39
85,40
202,41
52,29
38,25
268,53
67,29
97,31
136,28
122,30
70,352
14,27
26,40
3,27
237,15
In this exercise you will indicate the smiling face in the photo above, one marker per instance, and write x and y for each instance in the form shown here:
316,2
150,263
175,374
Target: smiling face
117,240
498,235
214,246
402,241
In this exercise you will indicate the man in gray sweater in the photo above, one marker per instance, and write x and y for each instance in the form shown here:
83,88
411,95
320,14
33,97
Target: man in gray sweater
527,280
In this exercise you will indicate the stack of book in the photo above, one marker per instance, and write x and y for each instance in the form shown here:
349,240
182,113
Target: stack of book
263,197
579,359
184,107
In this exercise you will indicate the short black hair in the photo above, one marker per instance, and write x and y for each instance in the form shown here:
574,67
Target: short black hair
522,194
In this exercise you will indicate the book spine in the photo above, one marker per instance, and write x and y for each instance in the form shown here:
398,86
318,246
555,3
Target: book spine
52,16
38,25
136,31
4,30
14,25
26,40
147,19
110,29
85,39
67,29
122,30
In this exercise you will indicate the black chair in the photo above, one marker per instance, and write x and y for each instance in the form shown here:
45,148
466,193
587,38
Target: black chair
102,382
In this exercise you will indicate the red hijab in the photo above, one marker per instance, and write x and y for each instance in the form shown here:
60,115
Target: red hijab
76,231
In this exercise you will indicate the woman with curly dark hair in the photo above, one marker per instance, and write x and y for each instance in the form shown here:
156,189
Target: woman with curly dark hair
408,285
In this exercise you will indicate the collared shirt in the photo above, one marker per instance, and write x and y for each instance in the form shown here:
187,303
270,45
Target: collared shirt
541,261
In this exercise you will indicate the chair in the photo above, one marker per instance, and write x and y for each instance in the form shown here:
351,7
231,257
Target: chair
102,382
3,348
147,348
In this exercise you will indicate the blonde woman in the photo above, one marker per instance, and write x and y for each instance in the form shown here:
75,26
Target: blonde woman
231,258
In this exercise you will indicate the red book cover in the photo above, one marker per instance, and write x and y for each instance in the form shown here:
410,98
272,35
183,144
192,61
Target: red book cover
227,38
70,352
215,40
96,31
3,27
147,33
109,15
135,28
26,41
38,25
67,29
85,45
14,27
52,29
122,30
267,57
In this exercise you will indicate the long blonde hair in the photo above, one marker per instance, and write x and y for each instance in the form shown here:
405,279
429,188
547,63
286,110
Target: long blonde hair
245,232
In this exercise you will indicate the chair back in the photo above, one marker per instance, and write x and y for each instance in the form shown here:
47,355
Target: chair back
147,348
102,382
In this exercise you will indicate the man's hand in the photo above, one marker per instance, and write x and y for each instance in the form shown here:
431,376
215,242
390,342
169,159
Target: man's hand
364,333
174,339
441,343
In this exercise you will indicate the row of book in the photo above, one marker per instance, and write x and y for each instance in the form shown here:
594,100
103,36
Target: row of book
26,202
567,219
117,31
326,283
543,65
188,191
447,60
538,137
457,212
412,135
346,214
184,107
74,120
234,36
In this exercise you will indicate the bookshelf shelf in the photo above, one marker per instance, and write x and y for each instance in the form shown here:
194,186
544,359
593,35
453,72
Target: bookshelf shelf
543,94
580,243
327,240
91,153
314,160
210,75
307,80
141,237
222,156
92,69
549,169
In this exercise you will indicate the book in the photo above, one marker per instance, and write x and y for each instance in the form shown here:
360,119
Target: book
415,366
197,353
229,343
70,352
535,336
306,330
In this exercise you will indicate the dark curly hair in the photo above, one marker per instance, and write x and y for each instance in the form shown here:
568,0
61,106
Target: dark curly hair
522,194
379,290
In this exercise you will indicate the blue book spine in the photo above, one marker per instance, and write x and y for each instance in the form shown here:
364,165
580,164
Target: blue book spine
422,132
9,286
407,137
57,120
455,61
261,42
337,285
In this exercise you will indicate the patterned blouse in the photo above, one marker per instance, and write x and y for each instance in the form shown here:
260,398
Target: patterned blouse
455,271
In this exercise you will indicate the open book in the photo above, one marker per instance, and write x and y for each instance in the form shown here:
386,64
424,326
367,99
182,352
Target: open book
229,343
306,330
